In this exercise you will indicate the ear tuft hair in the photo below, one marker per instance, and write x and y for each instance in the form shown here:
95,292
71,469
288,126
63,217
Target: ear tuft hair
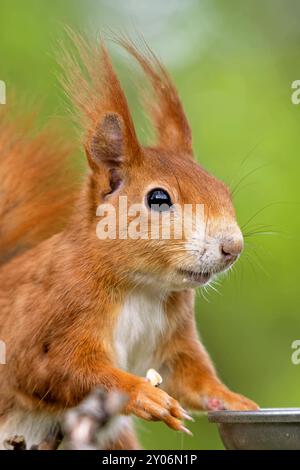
93,86
173,130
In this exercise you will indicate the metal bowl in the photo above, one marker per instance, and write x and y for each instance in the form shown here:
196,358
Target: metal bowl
264,429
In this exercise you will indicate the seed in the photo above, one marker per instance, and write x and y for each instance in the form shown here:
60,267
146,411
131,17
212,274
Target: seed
154,377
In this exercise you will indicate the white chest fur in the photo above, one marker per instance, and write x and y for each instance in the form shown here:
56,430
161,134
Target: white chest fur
141,325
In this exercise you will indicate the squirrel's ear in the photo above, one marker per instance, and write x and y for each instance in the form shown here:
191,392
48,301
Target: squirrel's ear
107,149
110,138
106,144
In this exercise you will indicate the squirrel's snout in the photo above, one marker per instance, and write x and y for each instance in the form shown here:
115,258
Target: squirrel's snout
231,248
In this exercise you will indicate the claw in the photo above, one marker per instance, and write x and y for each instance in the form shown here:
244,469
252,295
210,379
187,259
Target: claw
186,430
188,417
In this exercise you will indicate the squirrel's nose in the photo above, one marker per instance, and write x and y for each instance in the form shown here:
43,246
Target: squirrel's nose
231,248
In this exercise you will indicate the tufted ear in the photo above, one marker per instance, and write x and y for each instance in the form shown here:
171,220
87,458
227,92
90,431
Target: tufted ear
106,149
172,127
90,80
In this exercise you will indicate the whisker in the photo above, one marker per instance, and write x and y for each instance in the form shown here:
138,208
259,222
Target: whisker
255,260
260,211
248,154
251,172
211,285
259,233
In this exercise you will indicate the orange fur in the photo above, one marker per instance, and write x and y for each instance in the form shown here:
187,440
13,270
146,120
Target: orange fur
94,88
65,303
36,192
125,440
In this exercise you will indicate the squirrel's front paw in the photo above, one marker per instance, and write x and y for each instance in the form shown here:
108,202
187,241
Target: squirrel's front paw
153,404
222,398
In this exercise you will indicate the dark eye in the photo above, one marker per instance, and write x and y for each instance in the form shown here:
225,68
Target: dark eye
159,200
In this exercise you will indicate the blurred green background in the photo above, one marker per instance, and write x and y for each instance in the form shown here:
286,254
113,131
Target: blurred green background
234,63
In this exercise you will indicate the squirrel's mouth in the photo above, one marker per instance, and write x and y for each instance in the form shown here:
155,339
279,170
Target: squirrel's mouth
196,277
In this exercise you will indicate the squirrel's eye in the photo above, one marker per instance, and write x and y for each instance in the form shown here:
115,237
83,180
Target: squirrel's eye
159,200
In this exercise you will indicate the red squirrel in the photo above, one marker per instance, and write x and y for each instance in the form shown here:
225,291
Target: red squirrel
76,311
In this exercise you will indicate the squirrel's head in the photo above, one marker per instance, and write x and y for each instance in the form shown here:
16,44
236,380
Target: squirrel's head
161,218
